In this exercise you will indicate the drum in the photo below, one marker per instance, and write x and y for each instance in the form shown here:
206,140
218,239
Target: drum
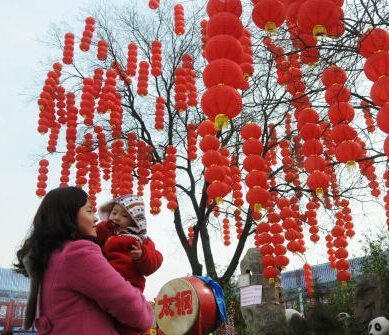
186,306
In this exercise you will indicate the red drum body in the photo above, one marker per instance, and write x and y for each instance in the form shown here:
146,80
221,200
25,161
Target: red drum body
186,306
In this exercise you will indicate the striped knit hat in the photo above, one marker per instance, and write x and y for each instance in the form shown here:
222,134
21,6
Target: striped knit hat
134,206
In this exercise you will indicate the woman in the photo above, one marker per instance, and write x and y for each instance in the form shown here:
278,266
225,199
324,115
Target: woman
74,290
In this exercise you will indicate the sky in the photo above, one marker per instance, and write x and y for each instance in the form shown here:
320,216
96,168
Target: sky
23,25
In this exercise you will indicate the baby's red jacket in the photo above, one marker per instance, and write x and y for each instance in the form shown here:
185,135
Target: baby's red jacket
117,249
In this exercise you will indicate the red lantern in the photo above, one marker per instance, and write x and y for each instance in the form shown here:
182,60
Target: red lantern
230,6
156,58
224,23
102,50
87,34
221,103
383,118
68,50
379,92
223,46
372,41
269,14
339,112
377,65
179,19
316,16
223,72
337,93
318,181
333,75
154,4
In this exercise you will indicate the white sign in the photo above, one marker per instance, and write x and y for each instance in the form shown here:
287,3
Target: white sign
251,295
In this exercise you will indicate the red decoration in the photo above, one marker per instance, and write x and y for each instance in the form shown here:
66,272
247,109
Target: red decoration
87,34
179,19
68,50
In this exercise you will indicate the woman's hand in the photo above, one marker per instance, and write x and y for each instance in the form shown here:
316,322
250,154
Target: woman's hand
136,251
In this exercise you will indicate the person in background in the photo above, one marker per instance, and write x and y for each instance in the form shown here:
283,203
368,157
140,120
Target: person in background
73,289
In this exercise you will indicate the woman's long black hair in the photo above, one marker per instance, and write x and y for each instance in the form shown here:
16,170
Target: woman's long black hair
54,223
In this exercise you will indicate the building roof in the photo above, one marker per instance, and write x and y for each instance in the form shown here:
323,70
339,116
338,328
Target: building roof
322,274
11,281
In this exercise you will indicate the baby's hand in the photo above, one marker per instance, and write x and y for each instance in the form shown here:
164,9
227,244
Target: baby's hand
137,251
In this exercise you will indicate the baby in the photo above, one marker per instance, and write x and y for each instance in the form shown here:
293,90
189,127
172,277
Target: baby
122,236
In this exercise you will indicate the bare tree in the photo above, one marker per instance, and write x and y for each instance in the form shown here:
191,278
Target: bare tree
265,102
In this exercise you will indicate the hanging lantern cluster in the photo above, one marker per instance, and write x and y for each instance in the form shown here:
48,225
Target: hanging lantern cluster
81,164
103,153
269,14
237,194
131,159
222,76
156,187
271,154
156,58
53,138
180,89
247,63
179,19
263,240
190,235
116,117
204,37
107,99
87,34
369,121
226,232
61,111
97,82
143,77
71,126
290,226
257,168
117,152
277,239
308,279
341,113
94,183
386,197
132,59
154,4
191,88
312,149
87,101
159,113
192,141
46,103
144,157
169,181
238,223
212,160
68,49
374,46
341,254
42,178
102,50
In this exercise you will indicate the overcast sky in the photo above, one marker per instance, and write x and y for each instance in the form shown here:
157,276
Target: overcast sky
22,25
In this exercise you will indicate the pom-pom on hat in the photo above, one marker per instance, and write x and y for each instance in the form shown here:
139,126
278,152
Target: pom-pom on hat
134,206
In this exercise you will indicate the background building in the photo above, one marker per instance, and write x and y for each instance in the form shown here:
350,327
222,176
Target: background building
13,298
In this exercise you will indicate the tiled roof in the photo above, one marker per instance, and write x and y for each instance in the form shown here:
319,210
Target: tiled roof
322,274
13,282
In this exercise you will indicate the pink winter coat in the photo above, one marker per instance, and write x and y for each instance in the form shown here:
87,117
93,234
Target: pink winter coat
83,294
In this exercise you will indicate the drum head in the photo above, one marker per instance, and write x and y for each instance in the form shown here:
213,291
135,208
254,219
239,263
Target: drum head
176,307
